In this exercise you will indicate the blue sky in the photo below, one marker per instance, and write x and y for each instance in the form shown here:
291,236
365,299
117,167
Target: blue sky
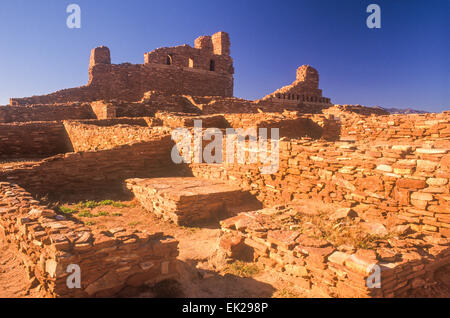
406,63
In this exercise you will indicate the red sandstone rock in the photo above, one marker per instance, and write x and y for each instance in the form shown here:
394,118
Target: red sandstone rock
284,239
411,184
233,244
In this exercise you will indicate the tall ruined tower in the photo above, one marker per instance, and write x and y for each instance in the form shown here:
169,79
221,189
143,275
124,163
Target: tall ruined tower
100,55
309,75
221,43
99,63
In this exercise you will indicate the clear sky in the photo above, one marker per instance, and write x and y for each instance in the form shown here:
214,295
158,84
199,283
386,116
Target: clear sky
406,63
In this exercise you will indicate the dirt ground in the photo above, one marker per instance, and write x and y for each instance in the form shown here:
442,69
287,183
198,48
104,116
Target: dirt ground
203,271
14,282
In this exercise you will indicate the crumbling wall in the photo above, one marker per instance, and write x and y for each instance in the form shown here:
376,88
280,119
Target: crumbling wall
408,181
103,110
401,129
315,262
305,89
33,140
232,105
83,171
290,124
339,110
182,70
89,136
108,261
12,114
176,120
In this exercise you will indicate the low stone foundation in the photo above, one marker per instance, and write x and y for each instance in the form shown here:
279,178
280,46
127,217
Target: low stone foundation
109,260
187,201
284,241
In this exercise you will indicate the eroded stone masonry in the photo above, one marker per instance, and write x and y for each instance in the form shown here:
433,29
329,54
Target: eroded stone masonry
355,186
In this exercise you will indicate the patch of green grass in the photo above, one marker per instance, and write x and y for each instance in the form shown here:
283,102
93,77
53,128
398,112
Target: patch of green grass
117,214
106,202
86,214
134,223
103,213
119,205
87,205
89,223
66,210
94,204
242,269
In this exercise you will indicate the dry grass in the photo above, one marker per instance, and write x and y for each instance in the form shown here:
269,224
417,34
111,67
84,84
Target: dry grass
342,232
242,269
286,293
312,219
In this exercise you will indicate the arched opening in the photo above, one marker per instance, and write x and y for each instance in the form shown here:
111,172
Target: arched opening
191,63
169,60
212,65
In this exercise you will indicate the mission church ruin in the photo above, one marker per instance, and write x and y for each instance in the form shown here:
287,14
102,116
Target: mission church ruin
383,181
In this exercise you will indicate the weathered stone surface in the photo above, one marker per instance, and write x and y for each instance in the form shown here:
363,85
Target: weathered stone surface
285,239
343,213
187,200
374,228
48,247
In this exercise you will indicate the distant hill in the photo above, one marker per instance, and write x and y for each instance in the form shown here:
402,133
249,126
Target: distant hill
404,111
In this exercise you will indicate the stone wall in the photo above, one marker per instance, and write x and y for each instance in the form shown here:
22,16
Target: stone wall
189,201
338,110
401,129
290,124
33,140
182,70
103,110
305,89
83,171
11,114
109,260
89,136
377,180
285,239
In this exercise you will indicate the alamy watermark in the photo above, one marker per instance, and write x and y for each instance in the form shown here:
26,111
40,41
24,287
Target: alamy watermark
74,19
374,279
74,279
248,146
374,20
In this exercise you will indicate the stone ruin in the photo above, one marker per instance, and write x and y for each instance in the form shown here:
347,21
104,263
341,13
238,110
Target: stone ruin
387,175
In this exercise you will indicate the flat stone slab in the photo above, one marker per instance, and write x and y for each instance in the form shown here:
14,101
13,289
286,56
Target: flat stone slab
188,200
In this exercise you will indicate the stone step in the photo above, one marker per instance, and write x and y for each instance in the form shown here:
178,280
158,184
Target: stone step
190,200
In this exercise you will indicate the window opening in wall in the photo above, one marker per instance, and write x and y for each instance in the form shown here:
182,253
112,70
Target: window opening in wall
169,59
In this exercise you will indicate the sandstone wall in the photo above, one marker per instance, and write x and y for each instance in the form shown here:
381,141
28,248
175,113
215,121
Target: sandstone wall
11,114
304,89
103,110
409,181
33,140
338,271
355,109
419,129
109,260
84,171
182,70
89,136
290,124
129,82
